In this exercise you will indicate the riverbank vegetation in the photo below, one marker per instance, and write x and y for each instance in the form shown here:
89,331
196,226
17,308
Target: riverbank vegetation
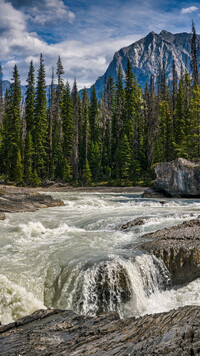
80,140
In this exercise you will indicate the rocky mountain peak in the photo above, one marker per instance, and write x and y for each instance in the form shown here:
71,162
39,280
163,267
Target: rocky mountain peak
146,54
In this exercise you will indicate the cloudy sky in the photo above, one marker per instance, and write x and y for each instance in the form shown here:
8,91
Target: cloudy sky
85,33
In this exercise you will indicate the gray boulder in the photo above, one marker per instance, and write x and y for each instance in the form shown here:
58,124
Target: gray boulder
178,178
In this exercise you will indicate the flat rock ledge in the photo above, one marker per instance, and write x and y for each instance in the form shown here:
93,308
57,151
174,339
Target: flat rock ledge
179,248
13,200
58,332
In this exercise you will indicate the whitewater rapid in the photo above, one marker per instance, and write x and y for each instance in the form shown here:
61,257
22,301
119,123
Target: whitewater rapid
74,257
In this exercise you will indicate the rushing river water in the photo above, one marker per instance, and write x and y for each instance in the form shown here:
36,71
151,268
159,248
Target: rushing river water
73,257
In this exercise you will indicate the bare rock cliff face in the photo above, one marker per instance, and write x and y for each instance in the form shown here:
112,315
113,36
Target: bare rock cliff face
178,178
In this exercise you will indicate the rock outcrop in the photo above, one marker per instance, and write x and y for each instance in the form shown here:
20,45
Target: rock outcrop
178,178
58,332
14,200
129,224
179,248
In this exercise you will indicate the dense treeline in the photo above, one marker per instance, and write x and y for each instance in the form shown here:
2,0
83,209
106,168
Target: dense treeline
116,140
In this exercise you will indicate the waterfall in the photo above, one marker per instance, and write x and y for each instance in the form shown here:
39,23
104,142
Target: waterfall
119,284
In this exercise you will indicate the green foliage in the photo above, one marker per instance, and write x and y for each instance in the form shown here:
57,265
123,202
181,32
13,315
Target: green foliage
95,160
114,141
40,131
67,171
28,159
18,170
86,175
36,181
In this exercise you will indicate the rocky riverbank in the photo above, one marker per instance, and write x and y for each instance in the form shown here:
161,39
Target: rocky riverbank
13,200
179,248
58,332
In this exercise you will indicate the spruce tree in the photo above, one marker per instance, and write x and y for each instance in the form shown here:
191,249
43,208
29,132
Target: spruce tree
129,103
12,127
59,94
30,100
84,130
194,56
117,121
1,96
40,124
87,175
51,125
125,159
193,138
28,159
68,124
93,114
110,95
75,156
179,118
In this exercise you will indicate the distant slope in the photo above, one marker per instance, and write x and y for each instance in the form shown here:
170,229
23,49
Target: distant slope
146,54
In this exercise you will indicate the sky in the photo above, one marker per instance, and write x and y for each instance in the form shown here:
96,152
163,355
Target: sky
85,33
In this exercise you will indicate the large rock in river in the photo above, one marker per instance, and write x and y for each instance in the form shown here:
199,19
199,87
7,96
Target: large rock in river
179,248
178,178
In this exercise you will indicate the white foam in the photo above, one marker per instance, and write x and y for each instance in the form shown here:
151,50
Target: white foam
16,301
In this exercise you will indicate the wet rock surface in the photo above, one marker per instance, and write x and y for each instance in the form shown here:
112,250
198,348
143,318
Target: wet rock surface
178,178
179,248
153,193
14,200
2,216
129,224
58,332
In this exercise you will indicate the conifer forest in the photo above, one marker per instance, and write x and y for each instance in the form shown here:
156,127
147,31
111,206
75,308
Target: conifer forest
115,140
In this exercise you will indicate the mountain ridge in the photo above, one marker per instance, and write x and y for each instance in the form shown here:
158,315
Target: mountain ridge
145,55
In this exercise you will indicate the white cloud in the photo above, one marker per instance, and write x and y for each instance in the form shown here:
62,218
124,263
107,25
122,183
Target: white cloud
81,60
50,11
188,10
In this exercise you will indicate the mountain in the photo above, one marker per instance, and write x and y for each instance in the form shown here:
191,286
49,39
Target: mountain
146,54
6,85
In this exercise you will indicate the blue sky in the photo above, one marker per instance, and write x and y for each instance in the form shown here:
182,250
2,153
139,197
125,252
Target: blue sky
86,33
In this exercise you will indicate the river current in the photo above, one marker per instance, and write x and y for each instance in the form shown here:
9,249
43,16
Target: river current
74,257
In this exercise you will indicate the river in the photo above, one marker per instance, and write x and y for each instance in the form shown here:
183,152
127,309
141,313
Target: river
74,257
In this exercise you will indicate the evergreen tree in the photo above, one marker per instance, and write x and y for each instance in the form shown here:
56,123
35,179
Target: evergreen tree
30,100
84,130
129,104
39,134
194,56
179,118
75,156
163,148
110,96
87,175
59,94
1,96
51,124
68,123
93,114
118,121
125,159
28,159
193,138
11,139
174,90
95,160
18,170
